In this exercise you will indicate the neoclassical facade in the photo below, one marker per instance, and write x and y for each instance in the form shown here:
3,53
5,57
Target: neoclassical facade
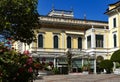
89,41
113,13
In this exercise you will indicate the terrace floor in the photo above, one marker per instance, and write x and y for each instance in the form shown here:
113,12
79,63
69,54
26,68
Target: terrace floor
80,78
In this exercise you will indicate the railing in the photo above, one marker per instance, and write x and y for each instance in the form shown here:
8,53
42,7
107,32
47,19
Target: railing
59,50
73,51
51,52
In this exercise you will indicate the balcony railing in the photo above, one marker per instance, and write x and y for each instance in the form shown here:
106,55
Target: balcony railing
76,53
73,51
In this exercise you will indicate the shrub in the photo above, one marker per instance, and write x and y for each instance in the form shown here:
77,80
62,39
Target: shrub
15,67
116,56
107,65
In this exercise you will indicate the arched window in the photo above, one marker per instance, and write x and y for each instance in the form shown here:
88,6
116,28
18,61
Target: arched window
79,42
115,40
55,44
68,42
40,41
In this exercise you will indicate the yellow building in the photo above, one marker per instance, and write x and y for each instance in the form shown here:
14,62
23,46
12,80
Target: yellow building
114,25
85,39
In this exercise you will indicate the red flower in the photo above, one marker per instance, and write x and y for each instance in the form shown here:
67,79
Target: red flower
26,52
24,65
30,70
29,61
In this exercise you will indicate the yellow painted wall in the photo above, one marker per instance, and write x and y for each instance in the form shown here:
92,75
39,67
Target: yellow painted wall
48,38
74,42
114,30
106,36
118,16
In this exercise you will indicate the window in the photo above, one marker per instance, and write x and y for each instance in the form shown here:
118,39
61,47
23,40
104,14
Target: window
55,41
89,41
40,41
115,40
68,42
114,22
99,41
79,42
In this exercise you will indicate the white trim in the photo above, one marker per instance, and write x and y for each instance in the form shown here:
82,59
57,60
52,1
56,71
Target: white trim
71,32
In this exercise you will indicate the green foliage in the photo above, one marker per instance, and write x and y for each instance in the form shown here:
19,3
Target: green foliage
56,70
18,18
69,60
116,56
86,67
107,65
117,65
15,67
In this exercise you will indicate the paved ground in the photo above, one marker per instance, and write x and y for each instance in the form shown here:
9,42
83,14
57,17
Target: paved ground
81,78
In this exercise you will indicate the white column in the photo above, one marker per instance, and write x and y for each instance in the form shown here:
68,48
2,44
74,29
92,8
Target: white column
105,41
82,62
86,42
63,40
93,37
54,61
95,66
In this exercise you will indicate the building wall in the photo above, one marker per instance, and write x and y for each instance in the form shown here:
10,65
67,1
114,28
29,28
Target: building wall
112,30
49,33
118,22
96,28
97,31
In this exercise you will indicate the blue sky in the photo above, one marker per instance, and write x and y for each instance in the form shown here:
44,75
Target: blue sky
94,9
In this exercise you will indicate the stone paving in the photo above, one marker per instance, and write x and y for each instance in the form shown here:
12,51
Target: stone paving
81,78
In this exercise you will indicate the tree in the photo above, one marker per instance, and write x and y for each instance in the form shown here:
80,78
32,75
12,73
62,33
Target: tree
18,19
116,56
69,60
107,65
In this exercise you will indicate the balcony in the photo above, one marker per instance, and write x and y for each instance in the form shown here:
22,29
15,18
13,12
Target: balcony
51,52
76,53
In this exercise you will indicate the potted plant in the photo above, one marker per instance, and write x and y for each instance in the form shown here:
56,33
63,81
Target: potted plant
86,69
